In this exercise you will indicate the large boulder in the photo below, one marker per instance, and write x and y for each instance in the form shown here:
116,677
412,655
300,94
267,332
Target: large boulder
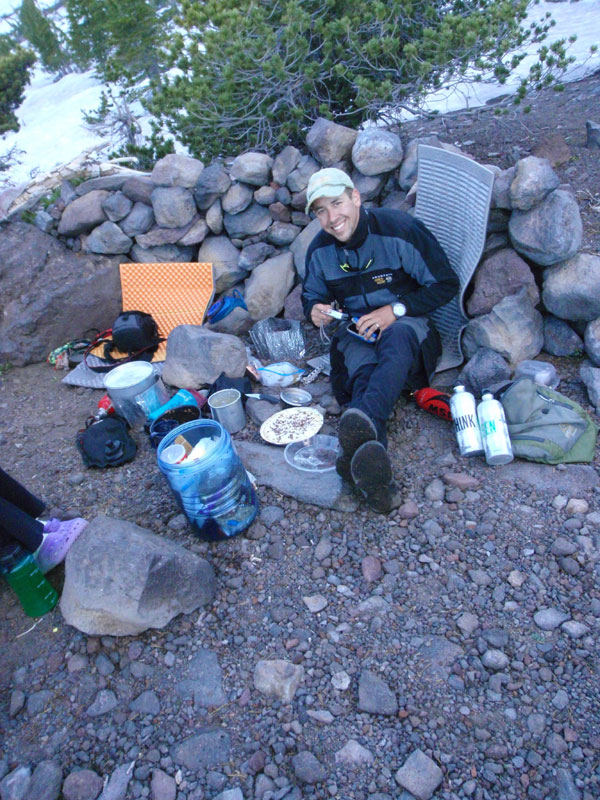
485,368
139,220
121,579
408,170
218,251
329,142
196,357
109,239
50,295
253,220
376,151
513,328
299,177
173,206
571,290
500,274
534,179
284,163
550,232
211,185
237,198
253,168
83,214
560,339
177,170
301,244
268,286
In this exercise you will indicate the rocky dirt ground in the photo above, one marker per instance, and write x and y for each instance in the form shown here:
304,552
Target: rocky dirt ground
430,640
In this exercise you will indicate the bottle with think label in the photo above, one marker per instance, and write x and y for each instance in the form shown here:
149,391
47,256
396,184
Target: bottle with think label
494,431
464,418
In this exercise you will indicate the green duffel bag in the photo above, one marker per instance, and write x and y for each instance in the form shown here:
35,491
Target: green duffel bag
546,426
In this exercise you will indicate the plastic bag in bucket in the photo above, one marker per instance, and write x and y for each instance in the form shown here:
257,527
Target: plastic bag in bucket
213,491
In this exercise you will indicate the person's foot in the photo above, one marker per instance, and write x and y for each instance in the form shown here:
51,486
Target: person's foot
355,429
371,472
58,538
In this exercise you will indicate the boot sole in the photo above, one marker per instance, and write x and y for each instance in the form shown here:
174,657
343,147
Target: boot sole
371,468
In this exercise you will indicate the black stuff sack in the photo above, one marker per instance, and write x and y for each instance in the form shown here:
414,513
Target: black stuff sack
106,443
546,426
133,331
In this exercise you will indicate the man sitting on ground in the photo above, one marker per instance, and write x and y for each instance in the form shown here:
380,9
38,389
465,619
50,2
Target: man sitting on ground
385,269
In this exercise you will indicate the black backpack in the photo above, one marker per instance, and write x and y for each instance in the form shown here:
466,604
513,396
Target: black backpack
134,333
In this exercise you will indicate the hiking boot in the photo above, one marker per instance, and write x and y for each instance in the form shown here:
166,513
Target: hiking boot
371,472
355,429
58,538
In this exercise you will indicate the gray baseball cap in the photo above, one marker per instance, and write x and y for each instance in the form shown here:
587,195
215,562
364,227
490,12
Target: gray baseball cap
329,182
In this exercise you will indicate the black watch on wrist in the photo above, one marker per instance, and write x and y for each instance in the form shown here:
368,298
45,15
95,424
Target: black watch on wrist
398,309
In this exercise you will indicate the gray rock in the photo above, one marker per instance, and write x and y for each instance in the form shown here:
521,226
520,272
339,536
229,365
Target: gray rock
146,703
593,134
250,222
268,286
45,782
571,290
548,619
104,702
214,218
550,232
438,655
292,308
513,328
173,206
204,681
408,170
329,142
353,754
501,274
560,339
253,168
282,234
116,788
209,748
237,198
166,253
534,179
591,378
376,150
536,723
108,239
500,192
139,220
278,678
139,189
195,233
369,187
196,356
419,775
39,701
44,221
468,623
284,163
484,369
121,579
563,547
269,467
308,768
265,195
14,785
560,700
211,185
82,784
566,788
109,183
158,236
299,177
592,341
575,629
375,696
495,660
301,244
254,254
83,214
177,170
235,323
162,786
17,701
117,206
230,794
218,251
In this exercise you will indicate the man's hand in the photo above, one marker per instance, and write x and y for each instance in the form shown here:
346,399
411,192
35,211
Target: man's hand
319,316
375,321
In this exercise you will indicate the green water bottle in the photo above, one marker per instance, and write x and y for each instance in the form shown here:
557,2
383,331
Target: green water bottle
37,596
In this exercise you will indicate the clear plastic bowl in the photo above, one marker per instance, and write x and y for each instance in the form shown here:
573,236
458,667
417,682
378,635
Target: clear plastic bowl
317,454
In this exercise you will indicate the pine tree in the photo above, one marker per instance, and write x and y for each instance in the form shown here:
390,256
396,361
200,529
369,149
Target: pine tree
256,73
42,36
15,66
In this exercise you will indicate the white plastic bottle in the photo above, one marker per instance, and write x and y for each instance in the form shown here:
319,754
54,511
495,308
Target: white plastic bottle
494,431
464,419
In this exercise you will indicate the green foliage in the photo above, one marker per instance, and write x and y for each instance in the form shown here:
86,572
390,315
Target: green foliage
15,66
256,73
121,39
43,36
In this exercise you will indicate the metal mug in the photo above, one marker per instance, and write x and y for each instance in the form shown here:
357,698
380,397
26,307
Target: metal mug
227,408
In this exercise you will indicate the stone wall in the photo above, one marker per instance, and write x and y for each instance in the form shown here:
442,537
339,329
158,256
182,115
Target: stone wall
533,289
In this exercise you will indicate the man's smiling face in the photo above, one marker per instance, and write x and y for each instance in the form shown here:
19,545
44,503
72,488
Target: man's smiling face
338,215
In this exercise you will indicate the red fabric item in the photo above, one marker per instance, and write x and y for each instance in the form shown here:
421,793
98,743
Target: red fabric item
434,401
